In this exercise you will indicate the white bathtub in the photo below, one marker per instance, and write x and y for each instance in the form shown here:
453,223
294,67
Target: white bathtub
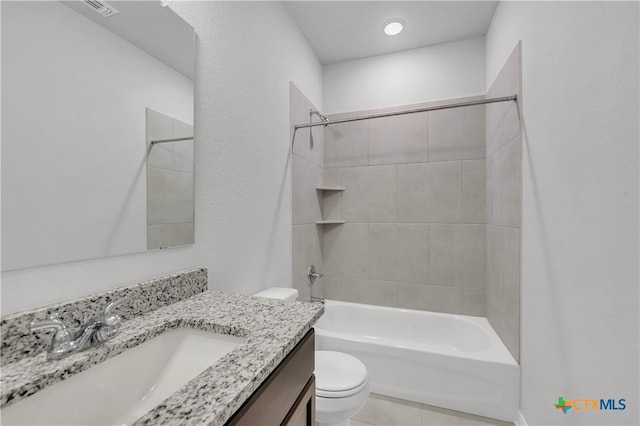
450,361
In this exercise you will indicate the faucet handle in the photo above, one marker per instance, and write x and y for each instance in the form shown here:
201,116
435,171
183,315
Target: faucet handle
61,339
115,304
313,275
110,318
54,322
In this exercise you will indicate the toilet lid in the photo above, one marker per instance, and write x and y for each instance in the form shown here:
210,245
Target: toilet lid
338,374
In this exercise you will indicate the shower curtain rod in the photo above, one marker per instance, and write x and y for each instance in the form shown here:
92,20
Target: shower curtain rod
186,138
409,111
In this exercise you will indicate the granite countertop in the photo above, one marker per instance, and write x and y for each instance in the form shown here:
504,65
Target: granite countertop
272,328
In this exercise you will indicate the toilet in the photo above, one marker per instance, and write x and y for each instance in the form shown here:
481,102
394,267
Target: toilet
342,385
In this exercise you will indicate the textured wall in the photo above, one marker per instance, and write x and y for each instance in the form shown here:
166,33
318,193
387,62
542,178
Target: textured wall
442,71
580,294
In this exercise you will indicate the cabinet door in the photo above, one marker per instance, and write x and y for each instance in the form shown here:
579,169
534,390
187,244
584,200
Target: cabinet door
271,404
303,412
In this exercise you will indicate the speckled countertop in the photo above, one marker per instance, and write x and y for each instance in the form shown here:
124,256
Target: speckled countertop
272,328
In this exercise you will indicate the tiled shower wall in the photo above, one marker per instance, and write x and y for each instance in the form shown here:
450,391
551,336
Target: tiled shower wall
504,189
418,233
307,162
414,211
170,202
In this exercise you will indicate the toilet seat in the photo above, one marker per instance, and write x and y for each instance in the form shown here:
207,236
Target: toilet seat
339,375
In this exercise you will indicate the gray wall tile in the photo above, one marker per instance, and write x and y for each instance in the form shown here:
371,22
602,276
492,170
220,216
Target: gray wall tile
430,192
506,127
169,196
457,134
170,183
503,284
370,194
503,264
399,139
332,200
345,250
307,174
183,156
503,199
179,155
430,297
504,187
346,144
332,177
474,301
306,200
170,235
473,191
314,244
300,259
504,324
331,205
398,252
457,255
506,83
159,126
307,144
183,233
307,250
371,292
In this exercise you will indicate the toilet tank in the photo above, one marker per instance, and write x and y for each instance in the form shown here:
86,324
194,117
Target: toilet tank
288,294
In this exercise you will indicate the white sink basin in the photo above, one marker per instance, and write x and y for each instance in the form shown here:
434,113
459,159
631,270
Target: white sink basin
122,389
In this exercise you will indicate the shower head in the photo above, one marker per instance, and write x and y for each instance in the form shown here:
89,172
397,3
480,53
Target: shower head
322,117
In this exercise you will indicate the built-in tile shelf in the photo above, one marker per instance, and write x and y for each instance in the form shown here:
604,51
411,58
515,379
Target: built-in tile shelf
330,188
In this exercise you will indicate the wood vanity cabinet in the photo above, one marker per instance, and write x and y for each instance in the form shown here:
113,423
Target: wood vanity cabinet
287,396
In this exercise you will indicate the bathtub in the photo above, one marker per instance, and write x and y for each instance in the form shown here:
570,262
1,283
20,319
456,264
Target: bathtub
450,361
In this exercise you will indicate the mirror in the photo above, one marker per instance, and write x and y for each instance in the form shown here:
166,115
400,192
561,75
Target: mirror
83,98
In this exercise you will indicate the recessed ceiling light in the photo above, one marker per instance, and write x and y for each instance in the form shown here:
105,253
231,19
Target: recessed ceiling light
394,27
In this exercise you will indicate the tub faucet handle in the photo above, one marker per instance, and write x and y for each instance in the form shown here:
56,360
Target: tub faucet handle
313,275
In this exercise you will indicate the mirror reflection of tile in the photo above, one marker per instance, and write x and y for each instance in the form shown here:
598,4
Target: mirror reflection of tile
170,202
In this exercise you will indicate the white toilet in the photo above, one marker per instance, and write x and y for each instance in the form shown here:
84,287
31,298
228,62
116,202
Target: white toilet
342,386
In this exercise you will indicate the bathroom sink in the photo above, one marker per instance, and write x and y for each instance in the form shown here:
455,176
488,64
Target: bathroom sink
121,389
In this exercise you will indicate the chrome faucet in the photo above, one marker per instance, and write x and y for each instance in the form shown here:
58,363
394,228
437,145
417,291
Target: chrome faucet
313,275
93,333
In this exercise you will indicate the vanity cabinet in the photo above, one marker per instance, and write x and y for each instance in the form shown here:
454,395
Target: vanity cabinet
287,396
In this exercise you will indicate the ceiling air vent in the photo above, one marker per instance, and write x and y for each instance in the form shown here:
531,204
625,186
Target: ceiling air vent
102,7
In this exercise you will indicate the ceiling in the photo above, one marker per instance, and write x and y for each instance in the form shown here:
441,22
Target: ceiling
344,30
157,30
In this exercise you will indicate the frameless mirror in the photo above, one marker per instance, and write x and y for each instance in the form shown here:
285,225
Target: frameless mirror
97,130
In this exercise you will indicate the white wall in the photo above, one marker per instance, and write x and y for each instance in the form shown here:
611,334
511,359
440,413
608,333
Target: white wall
580,203
247,54
443,71
74,143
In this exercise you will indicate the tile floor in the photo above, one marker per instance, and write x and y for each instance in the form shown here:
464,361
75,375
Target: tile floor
385,411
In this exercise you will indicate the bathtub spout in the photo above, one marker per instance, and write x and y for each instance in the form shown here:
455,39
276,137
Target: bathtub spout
314,299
